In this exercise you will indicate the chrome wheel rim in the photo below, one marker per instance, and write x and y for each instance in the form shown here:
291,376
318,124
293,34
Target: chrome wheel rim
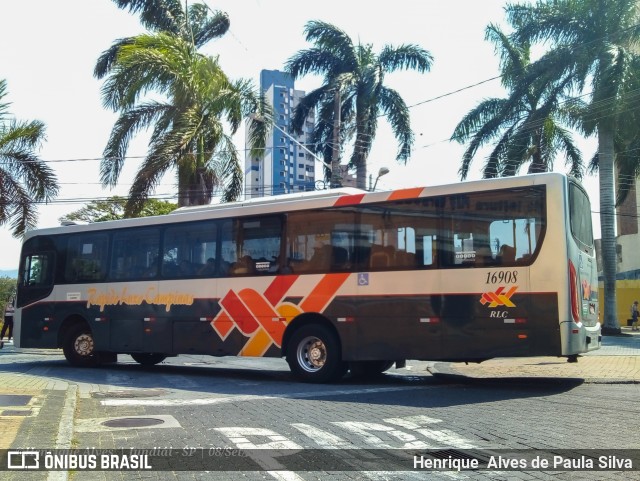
83,345
311,354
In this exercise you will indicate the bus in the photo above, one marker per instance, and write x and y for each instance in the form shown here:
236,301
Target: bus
333,280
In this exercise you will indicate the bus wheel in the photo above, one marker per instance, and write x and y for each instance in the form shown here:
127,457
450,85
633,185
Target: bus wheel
314,354
79,348
367,369
147,359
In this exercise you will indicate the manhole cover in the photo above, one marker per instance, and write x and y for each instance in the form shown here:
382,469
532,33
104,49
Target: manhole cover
132,422
14,400
129,393
15,412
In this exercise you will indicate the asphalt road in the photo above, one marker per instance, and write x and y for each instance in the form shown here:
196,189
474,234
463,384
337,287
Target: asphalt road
222,404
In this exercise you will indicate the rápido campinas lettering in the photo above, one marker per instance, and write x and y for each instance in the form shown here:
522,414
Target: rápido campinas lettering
112,297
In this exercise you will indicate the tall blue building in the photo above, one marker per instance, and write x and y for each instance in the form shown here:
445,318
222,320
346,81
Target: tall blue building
285,166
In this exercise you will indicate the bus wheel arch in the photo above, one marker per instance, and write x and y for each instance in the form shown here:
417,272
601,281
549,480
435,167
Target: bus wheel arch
78,344
70,323
313,349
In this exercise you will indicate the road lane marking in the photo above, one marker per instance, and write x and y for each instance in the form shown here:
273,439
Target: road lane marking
323,438
419,424
364,430
240,437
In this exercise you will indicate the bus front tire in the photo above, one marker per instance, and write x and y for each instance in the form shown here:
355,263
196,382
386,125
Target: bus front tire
79,347
314,355
148,359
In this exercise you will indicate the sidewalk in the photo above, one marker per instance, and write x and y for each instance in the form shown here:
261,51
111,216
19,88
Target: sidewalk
617,361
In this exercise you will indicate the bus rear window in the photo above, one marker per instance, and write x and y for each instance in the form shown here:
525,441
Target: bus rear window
580,215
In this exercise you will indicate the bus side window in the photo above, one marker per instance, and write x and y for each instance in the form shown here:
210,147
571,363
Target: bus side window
244,265
484,257
86,258
507,255
340,258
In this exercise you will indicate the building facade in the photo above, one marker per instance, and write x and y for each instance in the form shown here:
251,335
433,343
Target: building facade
285,167
627,255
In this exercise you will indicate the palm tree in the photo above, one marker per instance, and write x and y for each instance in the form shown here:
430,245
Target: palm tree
354,92
25,179
527,125
594,42
189,128
197,24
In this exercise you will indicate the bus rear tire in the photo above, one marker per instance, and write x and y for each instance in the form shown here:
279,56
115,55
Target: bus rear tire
79,347
314,355
148,359
369,369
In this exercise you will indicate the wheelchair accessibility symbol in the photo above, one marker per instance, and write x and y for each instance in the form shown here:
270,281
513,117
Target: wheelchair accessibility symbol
363,279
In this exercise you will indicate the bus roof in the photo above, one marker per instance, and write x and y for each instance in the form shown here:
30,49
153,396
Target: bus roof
275,199
303,201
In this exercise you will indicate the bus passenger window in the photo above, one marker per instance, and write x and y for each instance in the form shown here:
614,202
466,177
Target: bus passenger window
507,254
244,265
86,258
135,254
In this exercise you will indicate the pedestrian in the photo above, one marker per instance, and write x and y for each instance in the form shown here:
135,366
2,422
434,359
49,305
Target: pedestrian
8,322
634,316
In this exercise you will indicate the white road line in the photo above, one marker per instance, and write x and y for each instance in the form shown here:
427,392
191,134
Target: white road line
444,437
240,437
364,430
322,438
250,397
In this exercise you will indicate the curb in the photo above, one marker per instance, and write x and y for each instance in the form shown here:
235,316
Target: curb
65,429
445,371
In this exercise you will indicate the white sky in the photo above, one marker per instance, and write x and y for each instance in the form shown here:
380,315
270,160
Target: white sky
48,51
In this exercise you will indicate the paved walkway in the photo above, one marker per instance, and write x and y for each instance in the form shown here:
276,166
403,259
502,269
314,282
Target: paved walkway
617,361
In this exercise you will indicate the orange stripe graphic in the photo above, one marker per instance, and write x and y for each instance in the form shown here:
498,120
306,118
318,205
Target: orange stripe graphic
264,313
406,193
278,288
257,345
349,199
223,324
326,289
264,316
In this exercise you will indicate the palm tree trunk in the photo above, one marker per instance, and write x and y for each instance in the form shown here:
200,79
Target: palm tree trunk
336,172
360,151
607,224
538,164
361,163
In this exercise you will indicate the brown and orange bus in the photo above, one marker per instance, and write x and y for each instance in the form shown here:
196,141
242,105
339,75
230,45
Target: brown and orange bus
332,280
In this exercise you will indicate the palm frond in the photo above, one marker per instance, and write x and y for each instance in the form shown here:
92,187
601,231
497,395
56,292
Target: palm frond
128,124
330,38
156,15
405,57
399,117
